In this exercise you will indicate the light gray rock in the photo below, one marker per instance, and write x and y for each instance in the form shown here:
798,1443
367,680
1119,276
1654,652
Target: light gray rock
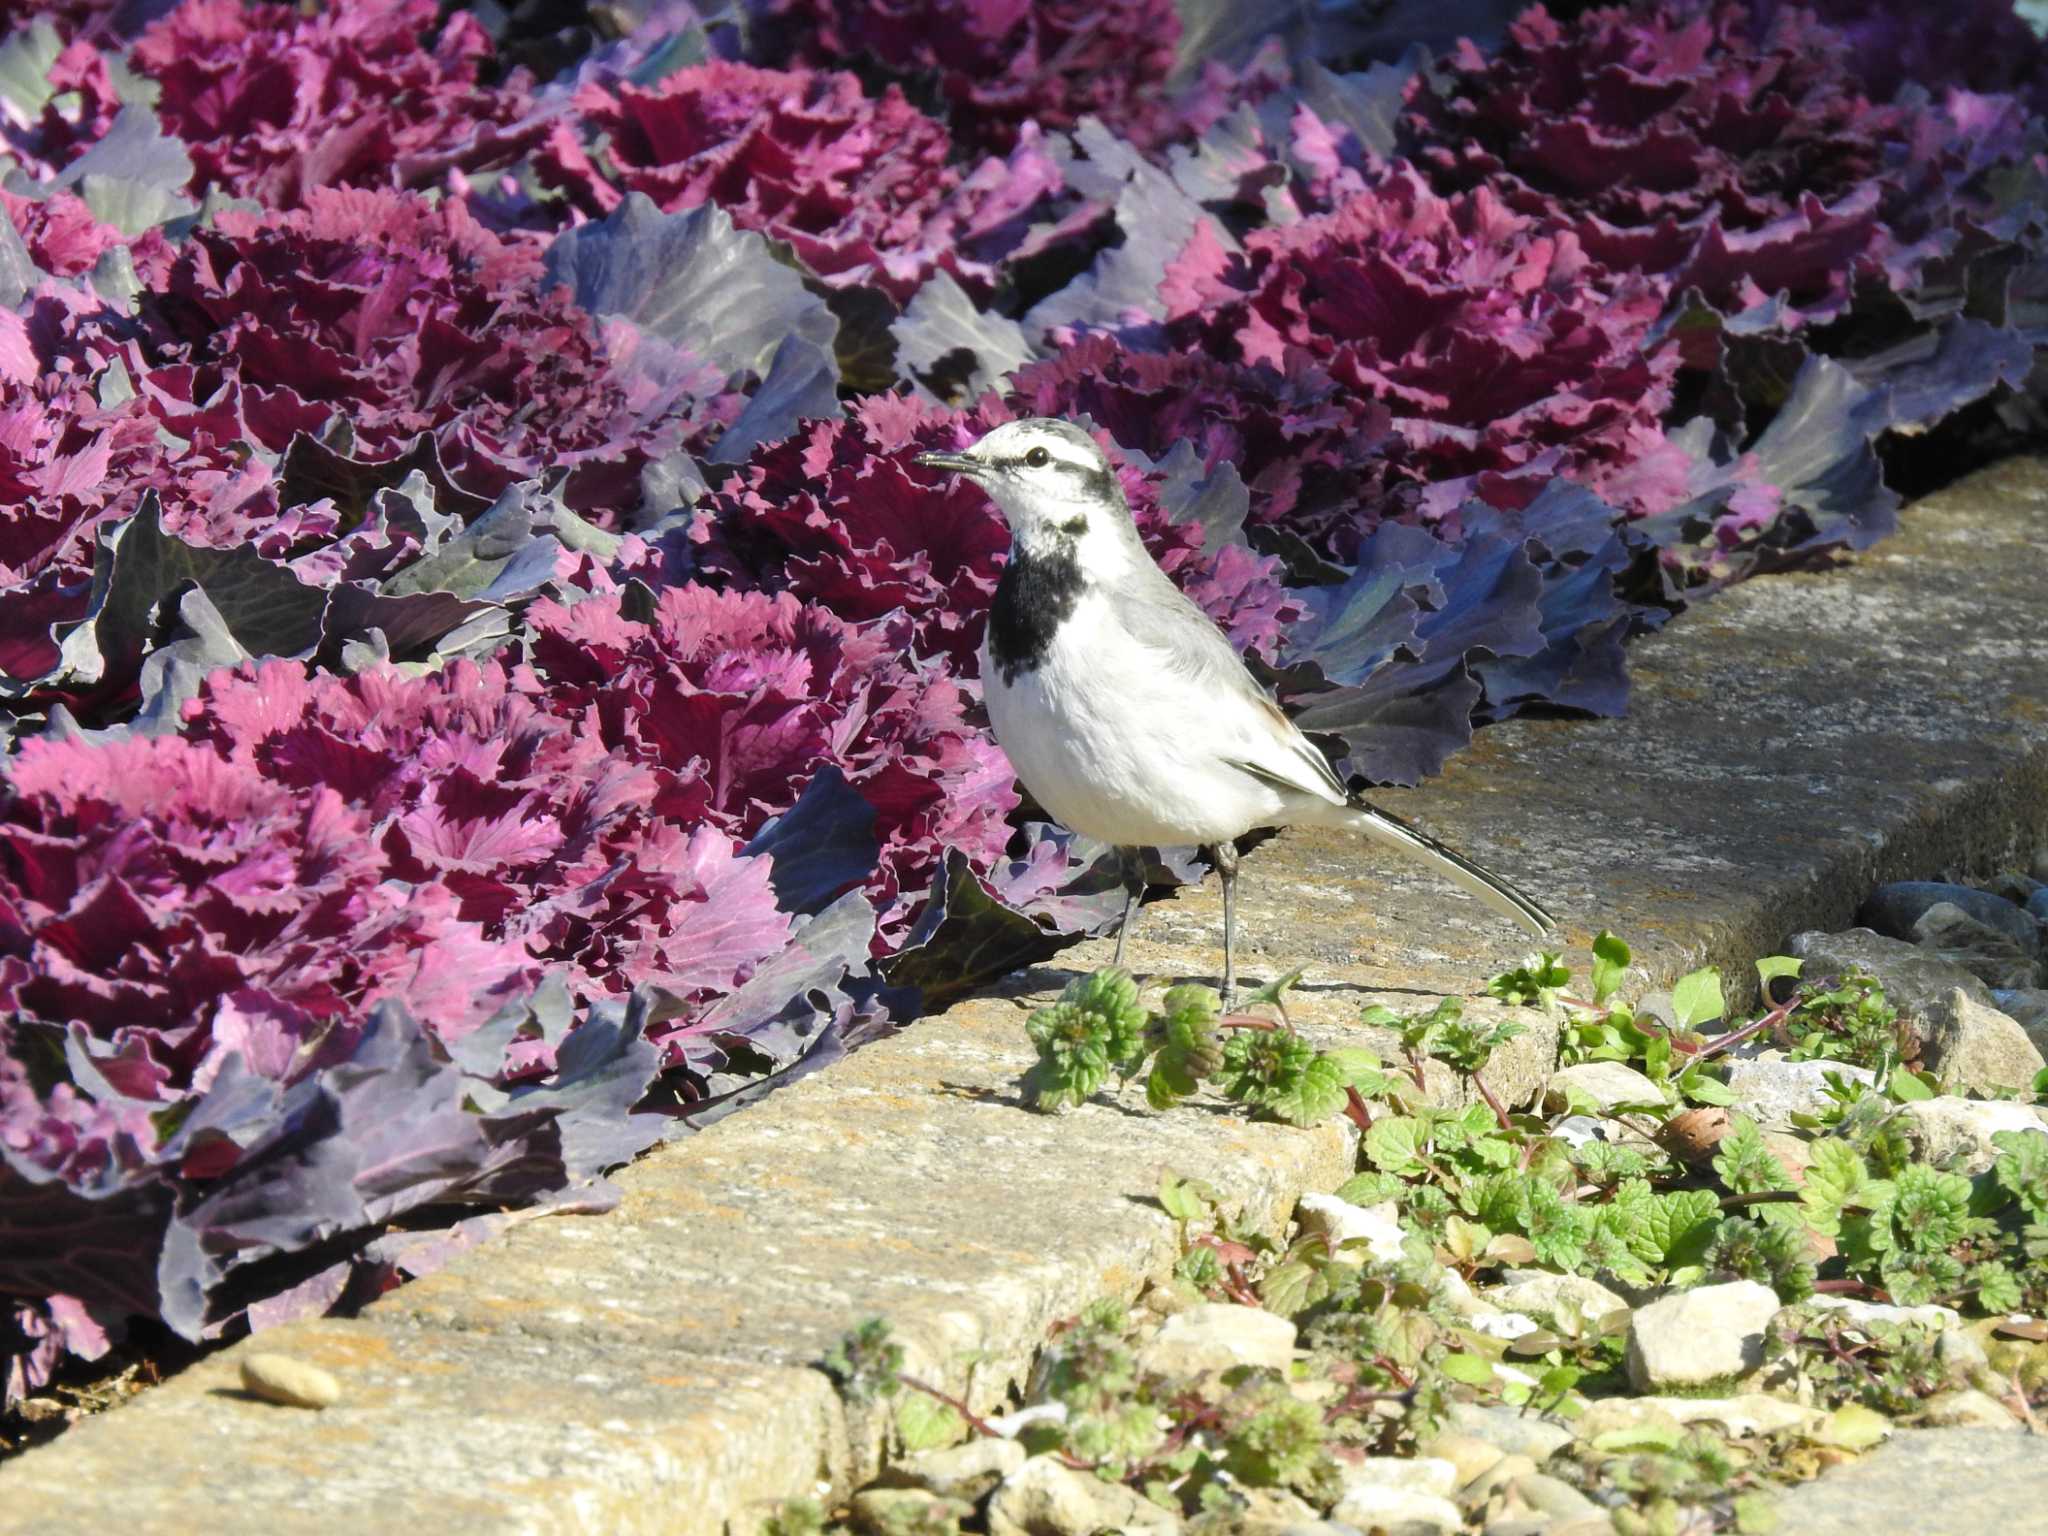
1506,1326
884,1511
1257,1512
1975,1047
1770,1089
290,1383
1549,1298
1043,1498
1967,1408
1930,1315
1931,1482
1469,1456
1746,1413
2037,904
1990,954
2028,1008
1396,1509
1216,1336
1957,1132
1515,1432
1700,1336
1606,1083
1894,910
1416,1474
1378,1227
966,1471
1912,977
1552,1496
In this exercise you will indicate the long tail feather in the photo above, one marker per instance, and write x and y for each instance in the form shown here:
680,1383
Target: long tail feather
1453,866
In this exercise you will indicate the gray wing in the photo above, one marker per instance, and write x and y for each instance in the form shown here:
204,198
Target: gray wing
1160,617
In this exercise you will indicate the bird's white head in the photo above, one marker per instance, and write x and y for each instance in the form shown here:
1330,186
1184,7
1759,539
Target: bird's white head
1056,489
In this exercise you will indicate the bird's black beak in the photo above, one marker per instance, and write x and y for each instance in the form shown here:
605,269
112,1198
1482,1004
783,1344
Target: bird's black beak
957,463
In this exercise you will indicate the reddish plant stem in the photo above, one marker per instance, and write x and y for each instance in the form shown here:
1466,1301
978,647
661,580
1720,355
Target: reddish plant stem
1415,1069
1355,1110
1734,1038
1761,1197
1492,1103
1849,1288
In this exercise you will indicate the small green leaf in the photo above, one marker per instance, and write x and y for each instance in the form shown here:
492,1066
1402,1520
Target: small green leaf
1907,1086
1359,1067
1696,999
1316,1094
1771,967
1473,1370
1639,1437
1854,1427
1185,1199
1610,963
1392,1144
1273,991
926,1424
1292,1287
1702,1087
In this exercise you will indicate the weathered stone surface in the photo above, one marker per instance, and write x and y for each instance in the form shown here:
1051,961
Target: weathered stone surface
1968,1408
1931,1315
1605,1083
1548,1297
1957,1131
906,1183
1975,1048
1932,1482
1516,1432
967,1471
1704,1335
1043,1498
887,1511
1468,1456
1216,1336
1747,1413
1912,977
1771,1090
1552,1496
1393,1509
2028,1008
1260,1512
1418,1474
1990,954
511,1432
1894,909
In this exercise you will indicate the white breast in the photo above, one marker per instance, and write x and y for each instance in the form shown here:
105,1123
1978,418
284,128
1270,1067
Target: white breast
1119,747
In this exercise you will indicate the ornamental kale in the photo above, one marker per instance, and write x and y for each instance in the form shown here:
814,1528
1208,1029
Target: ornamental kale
1005,67
480,664
866,191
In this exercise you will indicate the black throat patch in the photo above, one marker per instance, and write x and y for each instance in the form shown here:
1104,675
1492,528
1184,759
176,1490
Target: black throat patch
1035,597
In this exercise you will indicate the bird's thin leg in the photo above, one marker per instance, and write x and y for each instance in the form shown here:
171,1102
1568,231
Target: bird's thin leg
1134,891
1225,855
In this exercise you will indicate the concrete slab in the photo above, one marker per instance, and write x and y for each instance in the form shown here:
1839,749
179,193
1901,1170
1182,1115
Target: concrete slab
1792,742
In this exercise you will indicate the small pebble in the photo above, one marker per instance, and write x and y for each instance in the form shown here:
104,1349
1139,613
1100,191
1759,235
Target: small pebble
1496,1477
295,1384
1552,1496
1470,1457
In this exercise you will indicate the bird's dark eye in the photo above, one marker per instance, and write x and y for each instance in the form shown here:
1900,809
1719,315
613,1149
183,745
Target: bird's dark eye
1038,458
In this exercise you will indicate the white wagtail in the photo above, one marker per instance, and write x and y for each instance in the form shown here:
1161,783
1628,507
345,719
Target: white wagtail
1123,708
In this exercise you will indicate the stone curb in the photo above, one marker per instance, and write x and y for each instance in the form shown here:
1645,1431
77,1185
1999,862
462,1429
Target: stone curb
654,1369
